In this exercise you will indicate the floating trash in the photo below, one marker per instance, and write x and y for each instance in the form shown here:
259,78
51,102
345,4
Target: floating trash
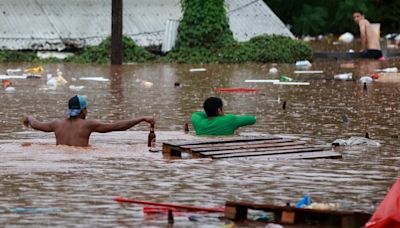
76,88
343,77
273,70
284,78
388,70
303,63
34,70
346,37
308,72
197,70
291,83
366,79
144,83
261,80
356,141
13,71
99,79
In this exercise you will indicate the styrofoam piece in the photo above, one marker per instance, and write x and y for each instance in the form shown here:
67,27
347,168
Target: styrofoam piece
12,76
261,80
291,83
308,71
99,79
198,70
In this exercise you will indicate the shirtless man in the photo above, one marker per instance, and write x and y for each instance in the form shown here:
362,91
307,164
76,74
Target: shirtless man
76,130
370,44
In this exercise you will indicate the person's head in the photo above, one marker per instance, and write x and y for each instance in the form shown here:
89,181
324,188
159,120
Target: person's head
358,15
213,106
77,107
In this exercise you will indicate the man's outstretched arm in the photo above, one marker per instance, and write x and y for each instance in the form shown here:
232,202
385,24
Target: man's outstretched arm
121,125
37,125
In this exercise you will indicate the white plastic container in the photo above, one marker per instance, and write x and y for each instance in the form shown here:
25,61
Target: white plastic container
343,77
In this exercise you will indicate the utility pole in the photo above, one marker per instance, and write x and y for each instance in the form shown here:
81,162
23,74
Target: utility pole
116,32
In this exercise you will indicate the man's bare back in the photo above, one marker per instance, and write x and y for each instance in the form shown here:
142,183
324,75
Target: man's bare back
370,44
76,130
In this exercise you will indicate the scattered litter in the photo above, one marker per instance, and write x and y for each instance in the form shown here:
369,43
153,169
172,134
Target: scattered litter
303,63
291,83
33,76
343,77
239,90
53,54
305,201
355,141
197,70
366,79
273,225
12,76
99,79
350,51
76,88
10,89
34,70
284,78
346,37
6,83
375,76
273,70
13,71
388,70
60,79
324,206
308,71
144,83
335,43
261,80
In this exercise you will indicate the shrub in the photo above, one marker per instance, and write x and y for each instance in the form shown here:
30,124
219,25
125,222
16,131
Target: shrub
17,56
102,53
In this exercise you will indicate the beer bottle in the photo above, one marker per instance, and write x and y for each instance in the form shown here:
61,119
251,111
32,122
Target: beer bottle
152,137
186,128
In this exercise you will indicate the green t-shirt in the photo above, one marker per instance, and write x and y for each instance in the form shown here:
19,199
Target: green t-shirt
219,125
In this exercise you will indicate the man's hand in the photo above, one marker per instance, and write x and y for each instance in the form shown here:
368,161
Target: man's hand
149,119
25,121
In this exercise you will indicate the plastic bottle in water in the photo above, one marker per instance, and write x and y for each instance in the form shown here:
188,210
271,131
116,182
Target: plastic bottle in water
151,142
284,78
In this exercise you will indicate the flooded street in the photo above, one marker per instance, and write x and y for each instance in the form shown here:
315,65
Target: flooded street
58,186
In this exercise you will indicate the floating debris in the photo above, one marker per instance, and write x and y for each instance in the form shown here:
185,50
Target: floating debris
346,37
343,77
99,79
197,70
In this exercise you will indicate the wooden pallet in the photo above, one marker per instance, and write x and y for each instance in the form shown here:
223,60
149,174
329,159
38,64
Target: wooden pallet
299,216
271,147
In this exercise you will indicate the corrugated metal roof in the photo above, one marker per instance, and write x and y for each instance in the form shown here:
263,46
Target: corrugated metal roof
171,32
250,18
53,24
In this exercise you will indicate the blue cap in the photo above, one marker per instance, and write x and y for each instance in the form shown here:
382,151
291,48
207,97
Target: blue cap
75,105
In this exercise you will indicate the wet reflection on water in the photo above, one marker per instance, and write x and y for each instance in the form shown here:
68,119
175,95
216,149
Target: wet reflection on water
76,185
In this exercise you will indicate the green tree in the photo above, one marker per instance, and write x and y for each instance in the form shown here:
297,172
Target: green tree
312,20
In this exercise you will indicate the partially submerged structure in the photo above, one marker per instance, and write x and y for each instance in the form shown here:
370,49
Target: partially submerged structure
56,24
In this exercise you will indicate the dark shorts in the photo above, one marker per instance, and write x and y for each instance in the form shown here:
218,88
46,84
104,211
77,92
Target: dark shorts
372,54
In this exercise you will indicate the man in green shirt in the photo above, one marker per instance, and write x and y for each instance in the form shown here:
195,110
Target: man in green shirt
214,122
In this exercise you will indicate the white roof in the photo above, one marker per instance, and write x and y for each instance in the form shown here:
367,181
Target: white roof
53,24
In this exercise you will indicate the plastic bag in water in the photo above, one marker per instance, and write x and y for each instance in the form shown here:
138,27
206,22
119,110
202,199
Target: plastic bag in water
356,141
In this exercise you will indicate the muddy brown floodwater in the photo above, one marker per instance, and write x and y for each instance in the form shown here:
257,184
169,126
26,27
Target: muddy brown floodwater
47,185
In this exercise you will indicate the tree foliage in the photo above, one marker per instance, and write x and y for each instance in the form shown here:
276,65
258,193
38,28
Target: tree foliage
308,17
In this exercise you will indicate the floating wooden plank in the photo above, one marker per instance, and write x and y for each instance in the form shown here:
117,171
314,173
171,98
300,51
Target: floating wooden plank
271,147
219,140
289,156
261,143
261,80
291,83
299,216
308,72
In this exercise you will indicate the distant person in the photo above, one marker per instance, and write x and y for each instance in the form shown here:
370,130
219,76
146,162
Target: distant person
75,130
215,122
370,44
